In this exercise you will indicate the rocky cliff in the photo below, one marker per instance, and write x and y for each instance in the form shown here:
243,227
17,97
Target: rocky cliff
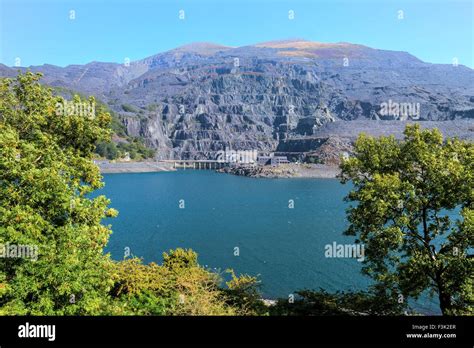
288,95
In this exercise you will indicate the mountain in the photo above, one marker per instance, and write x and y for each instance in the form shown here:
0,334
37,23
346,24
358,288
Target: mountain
197,99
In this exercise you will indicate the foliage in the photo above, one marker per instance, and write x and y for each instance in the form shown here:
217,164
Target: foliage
408,194
108,150
312,302
243,293
117,126
178,287
136,149
113,149
129,108
134,146
45,174
152,107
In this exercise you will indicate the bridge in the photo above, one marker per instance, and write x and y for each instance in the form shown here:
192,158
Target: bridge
196,164
222,159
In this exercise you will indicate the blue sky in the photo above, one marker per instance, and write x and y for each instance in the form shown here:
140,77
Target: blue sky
41,32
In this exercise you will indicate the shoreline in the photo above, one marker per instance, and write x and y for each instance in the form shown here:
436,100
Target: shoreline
283,171
133,167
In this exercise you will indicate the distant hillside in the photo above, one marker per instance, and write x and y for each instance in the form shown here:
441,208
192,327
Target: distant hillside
197,99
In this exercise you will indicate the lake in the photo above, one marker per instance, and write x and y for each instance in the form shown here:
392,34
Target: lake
274,228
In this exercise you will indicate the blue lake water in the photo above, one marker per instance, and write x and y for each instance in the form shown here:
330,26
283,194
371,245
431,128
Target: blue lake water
284,246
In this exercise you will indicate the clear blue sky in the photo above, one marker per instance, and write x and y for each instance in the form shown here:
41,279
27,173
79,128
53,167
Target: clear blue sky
41,32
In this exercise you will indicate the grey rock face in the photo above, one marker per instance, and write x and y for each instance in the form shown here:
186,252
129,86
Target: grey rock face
198,99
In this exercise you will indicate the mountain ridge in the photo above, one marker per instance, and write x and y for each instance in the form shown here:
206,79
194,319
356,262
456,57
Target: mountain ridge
202,45
200,98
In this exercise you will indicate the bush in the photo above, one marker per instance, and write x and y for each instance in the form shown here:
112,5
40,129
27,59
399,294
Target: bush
178,287
313,302
129,108
107,150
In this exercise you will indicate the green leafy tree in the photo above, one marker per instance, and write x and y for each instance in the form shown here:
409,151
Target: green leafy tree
415,214
46,172
108,150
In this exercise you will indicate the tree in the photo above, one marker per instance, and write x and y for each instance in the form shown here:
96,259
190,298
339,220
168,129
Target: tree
46,172
415,214
108,150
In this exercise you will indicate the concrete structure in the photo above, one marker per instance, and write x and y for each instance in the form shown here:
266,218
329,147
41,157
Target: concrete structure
196,164
272,160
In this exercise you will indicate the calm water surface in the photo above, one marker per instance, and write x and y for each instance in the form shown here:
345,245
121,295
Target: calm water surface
284,246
